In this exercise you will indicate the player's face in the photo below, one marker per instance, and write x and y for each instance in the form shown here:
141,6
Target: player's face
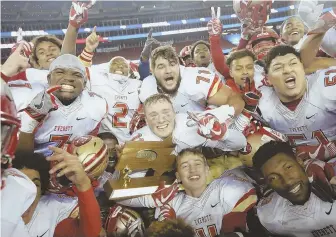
112,153
293,31
34,176
242,69
202,55
287,76
285,176
167,74
188,61
46,52
72,83
119,66
192,171
160,118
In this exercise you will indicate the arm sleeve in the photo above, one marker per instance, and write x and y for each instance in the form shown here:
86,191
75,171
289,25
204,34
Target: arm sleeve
218,57
242,44
19,76
143,69
89,223
238,202
86,58
329,43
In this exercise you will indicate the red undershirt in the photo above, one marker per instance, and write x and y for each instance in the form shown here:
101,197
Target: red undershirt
292,104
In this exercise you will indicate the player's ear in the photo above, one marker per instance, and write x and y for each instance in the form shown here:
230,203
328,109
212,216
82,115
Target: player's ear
48,78
231,73
268,81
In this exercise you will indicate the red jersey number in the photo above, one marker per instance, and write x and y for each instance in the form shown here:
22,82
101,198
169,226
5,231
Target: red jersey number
116,123
60,139
328,80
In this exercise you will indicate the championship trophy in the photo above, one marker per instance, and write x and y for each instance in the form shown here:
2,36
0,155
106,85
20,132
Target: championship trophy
140,156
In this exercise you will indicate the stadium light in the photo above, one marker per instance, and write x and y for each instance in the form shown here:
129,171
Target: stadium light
274,10
291,7
233,16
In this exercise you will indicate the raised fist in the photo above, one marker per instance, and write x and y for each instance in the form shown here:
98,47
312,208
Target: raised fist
251,96
92,41
163,194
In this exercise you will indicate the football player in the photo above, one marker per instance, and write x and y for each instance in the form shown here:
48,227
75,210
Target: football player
190,88
209,128
16,200
121,92
220,207
298,106
297,207
55,214
64,111
27,84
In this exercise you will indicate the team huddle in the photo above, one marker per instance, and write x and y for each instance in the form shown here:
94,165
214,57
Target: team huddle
252,134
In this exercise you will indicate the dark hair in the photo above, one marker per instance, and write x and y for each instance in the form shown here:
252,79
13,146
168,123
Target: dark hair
107,135
166,51
39,39
170,228
280,50
285,22
34,161
195,45
240,54
269,150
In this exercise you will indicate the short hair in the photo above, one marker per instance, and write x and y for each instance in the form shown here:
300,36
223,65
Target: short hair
170,228
36,41
155,98
285,21
107,135
34,161
196,151
240,54
166,51
269,150
195,45
280,50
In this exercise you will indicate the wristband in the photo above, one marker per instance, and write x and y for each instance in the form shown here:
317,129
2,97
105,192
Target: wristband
4,77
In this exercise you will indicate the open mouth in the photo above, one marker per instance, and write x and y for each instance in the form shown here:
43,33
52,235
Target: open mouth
169,80
67,88
162,127
119,72
194,178
245,79
294,33
295,188
290,82
50,60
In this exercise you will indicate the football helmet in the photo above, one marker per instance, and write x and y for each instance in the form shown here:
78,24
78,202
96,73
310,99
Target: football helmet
260,43
122,221
9,126
255,140
92,152
256,11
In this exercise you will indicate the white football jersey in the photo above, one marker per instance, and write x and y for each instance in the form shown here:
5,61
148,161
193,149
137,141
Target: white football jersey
122,96
311,127
23,92
197,85
50,210
212,68
81,117
314,218
221,197
185,133
17,194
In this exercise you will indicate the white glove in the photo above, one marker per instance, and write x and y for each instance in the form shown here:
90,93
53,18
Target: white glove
310,11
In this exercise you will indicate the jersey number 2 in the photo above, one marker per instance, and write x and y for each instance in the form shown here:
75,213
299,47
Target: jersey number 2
211,230
116,123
